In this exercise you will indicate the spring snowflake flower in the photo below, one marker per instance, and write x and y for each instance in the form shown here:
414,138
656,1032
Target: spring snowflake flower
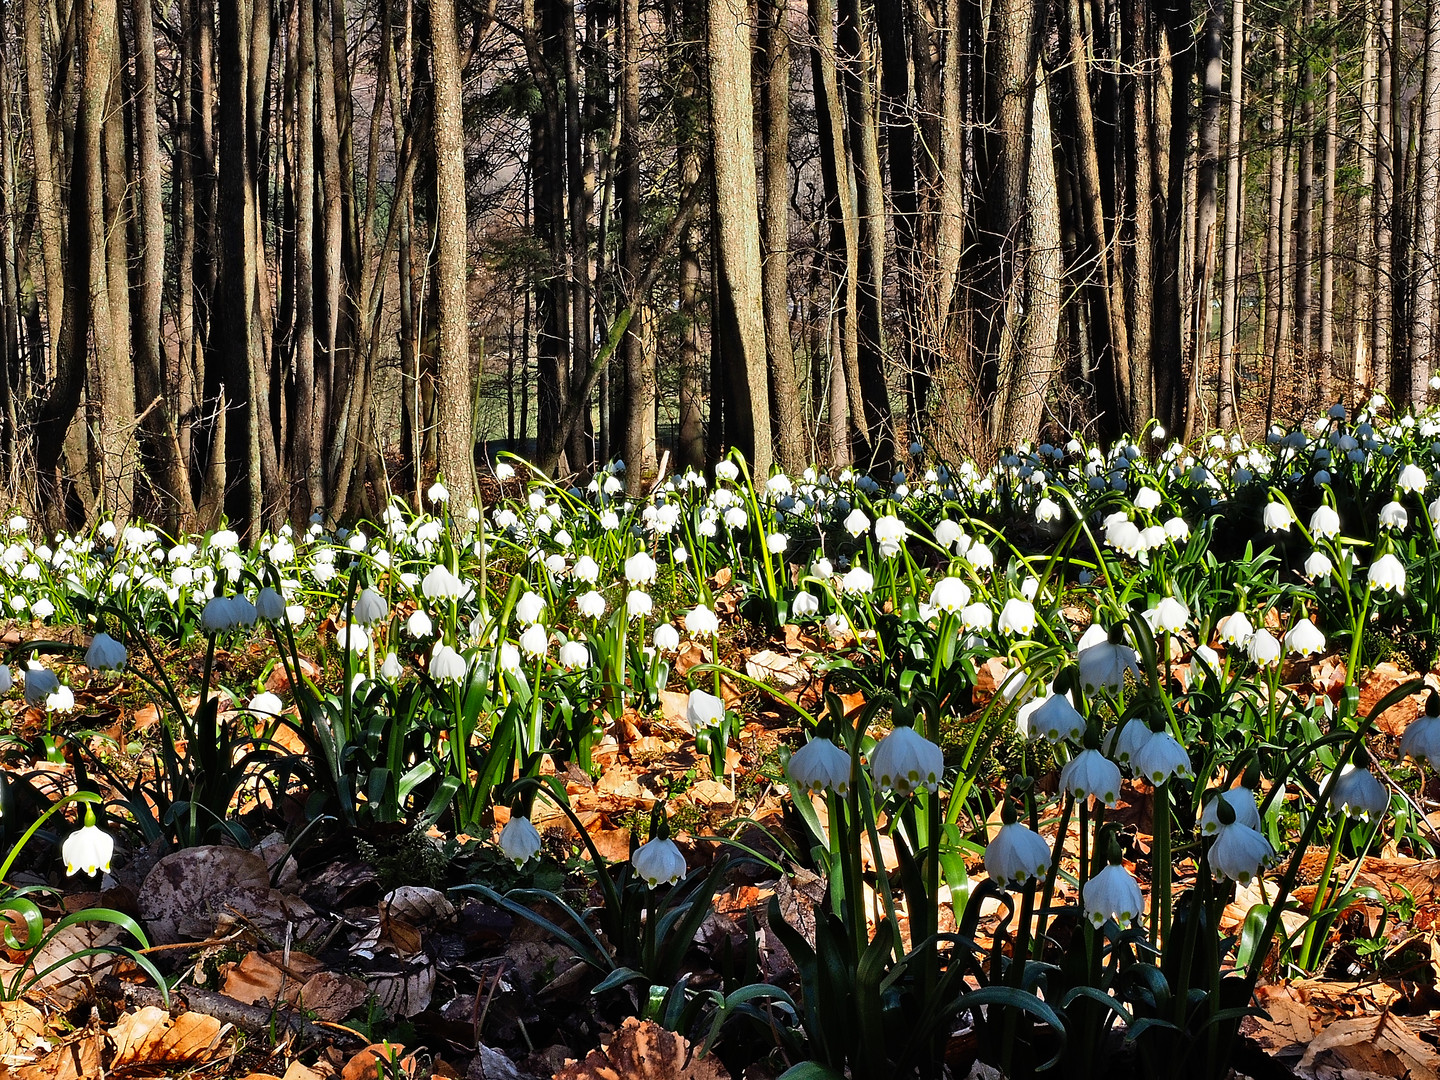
62,700
1112,894
1125,743
1091,774
1241,801
576,654
535,641
638,604
776,543
1047,510
727,471
440,584
438,493
640,569
519,840
804,605
590,604
6,681
1387,573
353,637
856,523
269,605
1161,758
1412,479
1017,617
1358,794
948,534
704,710
1421,741
105,654
1017,855
1236,629
1325,522
585,569
1102,666
857,580
659,860
890,534
1125,537
446,665
666,637
266,704
88,848
1305,639
977,616
905,761
40,683
1055,719
822,568
1393,515
1278,517
418,625
1240,853
1263,649
370,607
700,620
529,608
1318,565
820,766
1147,498
1169,615
949,595
390,669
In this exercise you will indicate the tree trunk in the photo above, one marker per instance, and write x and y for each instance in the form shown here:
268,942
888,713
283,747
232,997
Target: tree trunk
47,186
785,396
640,455
1206,184
1381,343
1305,185
1225,399
1427,218
1327,222
739,321
455,441
1362,328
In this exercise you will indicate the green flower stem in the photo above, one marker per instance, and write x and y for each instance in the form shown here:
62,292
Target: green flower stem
1048,893
1160,868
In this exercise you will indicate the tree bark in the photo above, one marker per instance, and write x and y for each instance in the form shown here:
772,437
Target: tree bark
455,439
1225,399
739,321
1423,246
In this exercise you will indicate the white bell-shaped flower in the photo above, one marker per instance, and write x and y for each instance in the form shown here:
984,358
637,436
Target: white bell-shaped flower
949,595
905,761
1017,617
1318,565
1236,629
40,683
88,848
1240,853
440,584
666,637
1278,517
1412,479
1393,515
370,607
1263,648
1241,801
1103,666
1387,573
640,569
658,861
1090,774
1125,742
704,710
820,766
269,605
1305,639
1017,855
519,840
1057,720
1112,894
535,641
1161,758
638,604
105,654
446,665
590,604
701,621
529,608
1358,794
1325,522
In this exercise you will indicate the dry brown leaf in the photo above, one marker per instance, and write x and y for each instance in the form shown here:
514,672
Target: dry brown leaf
366,1064
263,977
643,1050
418,905
187,890
1381,1045
150,1036
404,992
78,1059
71,981
331,996
298,1071
20,1025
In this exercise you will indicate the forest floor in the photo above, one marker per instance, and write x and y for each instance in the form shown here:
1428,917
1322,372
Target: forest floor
349,957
